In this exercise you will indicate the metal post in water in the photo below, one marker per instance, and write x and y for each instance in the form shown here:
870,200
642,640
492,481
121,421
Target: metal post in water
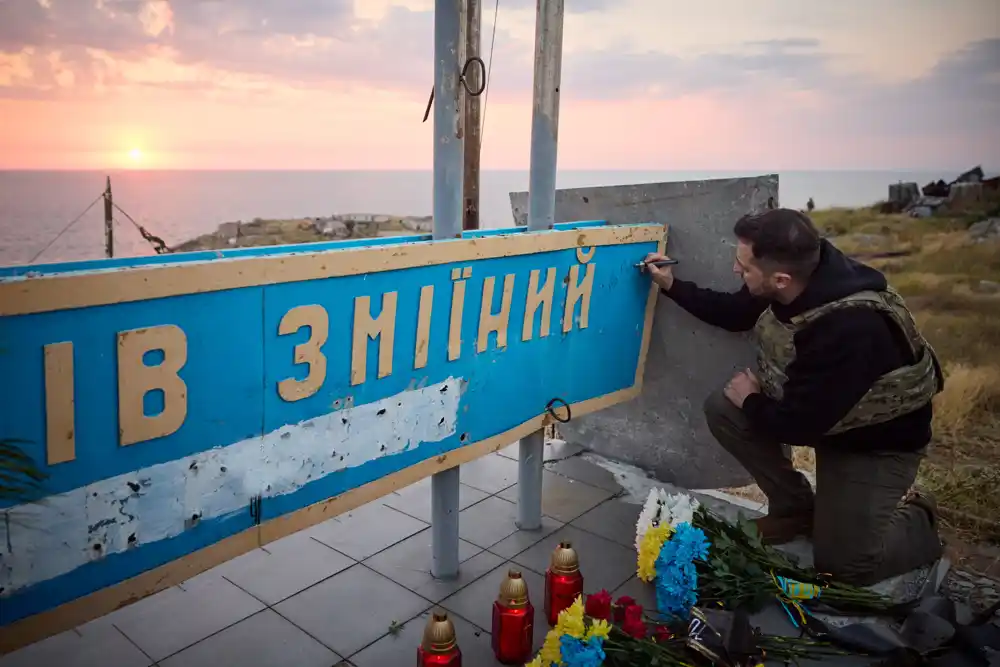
449,56
541,216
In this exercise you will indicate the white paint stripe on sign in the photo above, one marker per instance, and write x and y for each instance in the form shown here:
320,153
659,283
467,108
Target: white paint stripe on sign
56,535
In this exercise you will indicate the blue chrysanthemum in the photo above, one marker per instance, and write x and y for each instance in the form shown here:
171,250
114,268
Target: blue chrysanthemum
577,653
676,577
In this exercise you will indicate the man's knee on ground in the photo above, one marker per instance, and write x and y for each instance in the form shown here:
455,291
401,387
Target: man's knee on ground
717,408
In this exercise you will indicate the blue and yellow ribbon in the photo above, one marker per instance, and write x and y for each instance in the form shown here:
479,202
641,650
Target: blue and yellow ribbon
792,594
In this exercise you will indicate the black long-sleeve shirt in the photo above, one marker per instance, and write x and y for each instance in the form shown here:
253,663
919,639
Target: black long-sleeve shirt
837,358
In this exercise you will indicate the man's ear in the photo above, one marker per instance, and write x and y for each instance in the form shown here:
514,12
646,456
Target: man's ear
781,280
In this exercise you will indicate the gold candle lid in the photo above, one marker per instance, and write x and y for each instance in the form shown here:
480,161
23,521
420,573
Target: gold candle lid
564,559
439,635
513,590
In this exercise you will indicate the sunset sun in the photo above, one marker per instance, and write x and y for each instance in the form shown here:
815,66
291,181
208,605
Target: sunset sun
135,155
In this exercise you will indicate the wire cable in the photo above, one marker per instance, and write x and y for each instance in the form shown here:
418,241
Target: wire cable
158,244
66,229
489,74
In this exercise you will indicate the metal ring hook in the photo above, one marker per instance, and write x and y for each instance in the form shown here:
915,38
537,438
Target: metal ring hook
569,411
482,78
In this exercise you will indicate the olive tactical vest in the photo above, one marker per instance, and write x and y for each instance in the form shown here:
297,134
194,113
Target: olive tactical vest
894,394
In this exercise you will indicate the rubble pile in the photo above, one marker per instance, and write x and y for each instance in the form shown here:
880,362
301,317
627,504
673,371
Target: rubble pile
968,188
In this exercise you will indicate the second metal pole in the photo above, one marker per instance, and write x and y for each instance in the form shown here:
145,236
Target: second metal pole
541,216
474,19
109,222
449,56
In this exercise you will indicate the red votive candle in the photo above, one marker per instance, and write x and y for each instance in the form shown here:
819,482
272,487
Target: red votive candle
563,581
439,647
513,621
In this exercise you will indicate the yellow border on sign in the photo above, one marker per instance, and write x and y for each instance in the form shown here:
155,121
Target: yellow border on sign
98,288
106,600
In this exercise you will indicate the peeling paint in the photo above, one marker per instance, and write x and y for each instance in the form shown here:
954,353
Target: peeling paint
43,540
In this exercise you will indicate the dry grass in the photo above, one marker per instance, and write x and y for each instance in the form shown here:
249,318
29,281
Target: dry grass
939,277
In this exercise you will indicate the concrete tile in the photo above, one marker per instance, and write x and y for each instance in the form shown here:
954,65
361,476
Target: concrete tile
475,601
401,649
351,609
604,564
176,618
582,470
612,519
285,567
415,499
366,530
491,473
409,564
520,540
563,499
90,645
486,523
263,640
644,594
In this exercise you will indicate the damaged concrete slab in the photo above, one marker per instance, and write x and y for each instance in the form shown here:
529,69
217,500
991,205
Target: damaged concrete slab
663,430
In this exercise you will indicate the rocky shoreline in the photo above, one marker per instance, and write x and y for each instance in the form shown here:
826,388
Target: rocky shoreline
265,232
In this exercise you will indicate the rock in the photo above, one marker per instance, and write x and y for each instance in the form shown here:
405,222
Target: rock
869,240
902,194
987,287
965,193
228,229
335,228
974,175
985,229
925,206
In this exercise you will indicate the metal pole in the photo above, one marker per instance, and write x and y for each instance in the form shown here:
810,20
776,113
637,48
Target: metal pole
109,230
541,216
449,56
473,30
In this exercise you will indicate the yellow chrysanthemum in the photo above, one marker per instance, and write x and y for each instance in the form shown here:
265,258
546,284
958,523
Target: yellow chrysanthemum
537,662
599,628
551,653
649,550
571,620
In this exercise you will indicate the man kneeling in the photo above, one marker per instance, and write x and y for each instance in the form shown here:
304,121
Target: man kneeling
842,368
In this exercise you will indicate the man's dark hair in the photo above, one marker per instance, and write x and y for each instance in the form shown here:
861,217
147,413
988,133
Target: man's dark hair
782,239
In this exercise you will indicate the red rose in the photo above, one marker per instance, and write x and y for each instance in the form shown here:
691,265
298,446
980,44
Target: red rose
661,633
623,603
633,624
599,605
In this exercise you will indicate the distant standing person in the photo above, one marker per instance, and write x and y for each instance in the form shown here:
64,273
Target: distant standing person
810,205
842,368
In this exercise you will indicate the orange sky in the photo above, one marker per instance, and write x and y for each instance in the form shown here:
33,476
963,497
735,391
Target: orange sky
647,84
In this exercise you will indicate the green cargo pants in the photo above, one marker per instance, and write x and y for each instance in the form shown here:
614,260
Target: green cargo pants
862,534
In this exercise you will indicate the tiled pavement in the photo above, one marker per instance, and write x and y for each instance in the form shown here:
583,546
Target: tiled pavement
330,594
356,591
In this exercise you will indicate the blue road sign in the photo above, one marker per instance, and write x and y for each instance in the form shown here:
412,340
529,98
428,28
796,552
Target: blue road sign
188,408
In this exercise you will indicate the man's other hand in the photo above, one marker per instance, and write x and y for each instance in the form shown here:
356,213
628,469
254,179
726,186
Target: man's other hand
662,275
742,385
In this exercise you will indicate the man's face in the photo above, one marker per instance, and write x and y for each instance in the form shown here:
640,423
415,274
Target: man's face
759,282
